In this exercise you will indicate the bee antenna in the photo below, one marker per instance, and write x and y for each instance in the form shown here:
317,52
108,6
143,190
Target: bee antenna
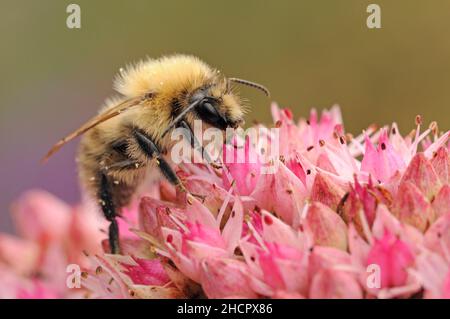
251,84
180,117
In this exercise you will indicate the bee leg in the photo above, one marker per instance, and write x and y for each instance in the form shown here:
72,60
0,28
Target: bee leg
152,151
196,144
109,210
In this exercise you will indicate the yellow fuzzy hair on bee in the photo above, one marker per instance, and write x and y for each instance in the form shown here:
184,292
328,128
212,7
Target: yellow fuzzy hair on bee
166,73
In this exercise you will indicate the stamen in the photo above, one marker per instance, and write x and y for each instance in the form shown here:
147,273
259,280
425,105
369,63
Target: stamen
268,220
224,205
178,222
365,226
257,236
418,120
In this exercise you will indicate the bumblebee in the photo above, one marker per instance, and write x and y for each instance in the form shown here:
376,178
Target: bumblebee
129,137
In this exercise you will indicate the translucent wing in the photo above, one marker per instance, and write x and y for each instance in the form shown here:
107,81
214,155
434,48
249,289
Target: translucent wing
100,118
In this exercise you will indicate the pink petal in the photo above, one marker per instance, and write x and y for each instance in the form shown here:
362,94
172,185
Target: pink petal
243,167
358,247
393,256
154,214
412,207
294,274
326,191
446,288
386,221
440,142
203,234
289,134
40,216
324,163
155,292
136,247
233,229
441,203
433,270
441,164
276,231
437,238
195,244
327,257
381,162
85,235
188,267
324,128
332,284
20,255
180,280
272,274
296,167
421,173
281,294
280,114
251,251
196,212
129,220
222,278
284,267
38,291
367,194
104,279
326,227
213,193
400,145
146,272
361,198
282,193
255,219
284,252
148,220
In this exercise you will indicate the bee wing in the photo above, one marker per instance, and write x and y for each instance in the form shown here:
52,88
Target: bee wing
100,118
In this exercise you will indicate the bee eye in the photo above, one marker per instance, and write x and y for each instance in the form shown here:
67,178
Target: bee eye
208,113
208,108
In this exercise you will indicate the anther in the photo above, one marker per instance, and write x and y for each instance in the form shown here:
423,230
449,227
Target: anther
418,120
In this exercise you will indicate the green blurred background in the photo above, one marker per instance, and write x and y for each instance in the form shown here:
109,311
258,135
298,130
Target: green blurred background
309,53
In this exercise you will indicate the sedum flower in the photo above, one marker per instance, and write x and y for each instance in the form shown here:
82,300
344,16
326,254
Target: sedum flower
341,216
53,236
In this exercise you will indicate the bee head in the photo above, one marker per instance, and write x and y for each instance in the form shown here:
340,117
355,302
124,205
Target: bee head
218,108
214,102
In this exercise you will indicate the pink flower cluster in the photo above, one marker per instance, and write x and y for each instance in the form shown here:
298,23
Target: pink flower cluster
342,217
